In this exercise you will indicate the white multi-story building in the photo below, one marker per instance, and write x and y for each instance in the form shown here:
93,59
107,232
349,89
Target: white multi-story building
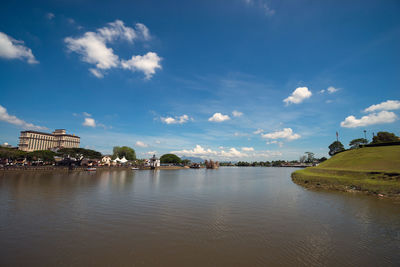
33,140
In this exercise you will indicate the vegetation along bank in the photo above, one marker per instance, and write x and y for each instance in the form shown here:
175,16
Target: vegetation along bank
373,170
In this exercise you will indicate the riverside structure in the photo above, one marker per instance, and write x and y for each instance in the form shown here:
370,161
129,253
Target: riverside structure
32,140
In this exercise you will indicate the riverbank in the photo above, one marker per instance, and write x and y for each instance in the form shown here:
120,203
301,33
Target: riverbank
370,170
80,168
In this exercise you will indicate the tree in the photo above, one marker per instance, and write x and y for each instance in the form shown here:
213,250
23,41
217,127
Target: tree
385,137
11,154
170,158
124,151
355,143
310,157
78,153
186,162
335,148
322,159
303,159
44,155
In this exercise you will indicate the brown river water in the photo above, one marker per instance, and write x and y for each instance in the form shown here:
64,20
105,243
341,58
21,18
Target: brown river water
197,217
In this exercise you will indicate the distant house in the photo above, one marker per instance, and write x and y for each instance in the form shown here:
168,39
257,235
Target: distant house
106,160
154,162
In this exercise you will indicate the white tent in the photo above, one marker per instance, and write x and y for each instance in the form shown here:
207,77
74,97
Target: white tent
123,160
117,160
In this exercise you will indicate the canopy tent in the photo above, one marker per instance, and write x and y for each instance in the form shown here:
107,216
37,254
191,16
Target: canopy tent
123,160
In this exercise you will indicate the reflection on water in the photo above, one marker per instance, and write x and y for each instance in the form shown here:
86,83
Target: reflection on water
230,216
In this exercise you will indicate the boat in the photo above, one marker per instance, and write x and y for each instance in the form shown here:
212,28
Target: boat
195,166
134,168
91,169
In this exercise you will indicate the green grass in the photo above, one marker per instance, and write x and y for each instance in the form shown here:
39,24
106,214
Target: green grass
370,169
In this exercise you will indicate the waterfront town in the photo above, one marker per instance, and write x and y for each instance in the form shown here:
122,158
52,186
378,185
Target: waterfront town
59,148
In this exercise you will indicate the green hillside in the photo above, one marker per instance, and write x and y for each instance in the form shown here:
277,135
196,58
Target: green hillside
371,169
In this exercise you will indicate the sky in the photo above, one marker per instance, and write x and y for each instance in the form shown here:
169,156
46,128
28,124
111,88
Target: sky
228,80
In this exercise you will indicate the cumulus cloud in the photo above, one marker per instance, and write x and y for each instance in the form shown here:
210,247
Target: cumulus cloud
177,120
236,113
387,105
298,96
370,119
197,151
218,117
232,153
146,64
93,49
89,122
86,114
247,149
4,116
332,89
286,133
258,131
223,153
14,49
141,144
145,33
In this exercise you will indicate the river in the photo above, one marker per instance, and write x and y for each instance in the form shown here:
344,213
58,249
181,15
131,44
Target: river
195,217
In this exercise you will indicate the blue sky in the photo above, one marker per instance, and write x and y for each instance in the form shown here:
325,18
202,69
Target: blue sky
230,80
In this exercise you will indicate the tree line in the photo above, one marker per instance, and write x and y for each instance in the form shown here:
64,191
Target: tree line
379,138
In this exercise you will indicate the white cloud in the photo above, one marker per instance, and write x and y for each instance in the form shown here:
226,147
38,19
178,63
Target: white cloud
141,144
151,153
116,30
286,133
146,64
247,149
143,30
322,91
89,122
86,114
93,49
14,49
222,154
258,131
374,118
236,113
332,89
280,144
218,117
298,96
388,105
96,73
50,16
4,116
262,4
232,153
177,120
198,151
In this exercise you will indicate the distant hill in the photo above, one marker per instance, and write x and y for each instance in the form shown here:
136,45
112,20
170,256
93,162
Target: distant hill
193,159
371,169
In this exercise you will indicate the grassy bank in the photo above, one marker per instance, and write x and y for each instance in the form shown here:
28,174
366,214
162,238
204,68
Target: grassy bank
374,170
